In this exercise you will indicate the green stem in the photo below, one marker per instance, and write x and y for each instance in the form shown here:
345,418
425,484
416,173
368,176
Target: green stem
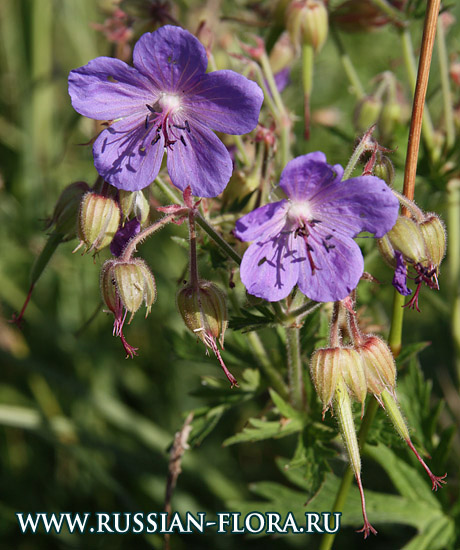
131,247
295,378
411,68
223,244
395,336
339,503
273,376
445,85
194,277
348,66
284,119
359,150
394,14
453,224
242,150
170,193
307,81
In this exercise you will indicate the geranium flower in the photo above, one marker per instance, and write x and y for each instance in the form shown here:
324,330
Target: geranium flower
307,239
166,101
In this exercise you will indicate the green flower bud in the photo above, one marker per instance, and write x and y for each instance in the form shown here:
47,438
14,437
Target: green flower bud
434,234
325,371
65,213
98,221
367,112
307,23
134,202
126,284
406,237
384,170
282,53
390,116
379,365
352,371
204,311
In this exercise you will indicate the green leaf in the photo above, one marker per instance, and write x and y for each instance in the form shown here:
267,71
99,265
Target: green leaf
283,407
410,351
248,321
258,430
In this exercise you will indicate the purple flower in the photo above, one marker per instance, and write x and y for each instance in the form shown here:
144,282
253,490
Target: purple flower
166,101
307,239
400,276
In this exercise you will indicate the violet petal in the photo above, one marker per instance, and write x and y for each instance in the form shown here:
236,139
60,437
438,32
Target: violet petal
400,276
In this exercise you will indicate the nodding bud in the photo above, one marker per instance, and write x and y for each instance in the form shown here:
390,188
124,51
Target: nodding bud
204,311
384,169
392,114
325,371
434,234
405,237
282,54
367,112
65,213
135,203
126,284
352,370
307,23
98,221
379,365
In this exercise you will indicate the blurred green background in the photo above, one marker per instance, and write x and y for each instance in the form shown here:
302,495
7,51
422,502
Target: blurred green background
81,428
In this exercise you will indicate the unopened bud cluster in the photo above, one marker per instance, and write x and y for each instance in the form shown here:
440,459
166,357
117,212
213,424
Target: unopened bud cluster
364,368
420,241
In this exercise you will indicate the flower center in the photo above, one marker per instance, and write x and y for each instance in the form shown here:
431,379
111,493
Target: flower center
164,115
299,213
169,102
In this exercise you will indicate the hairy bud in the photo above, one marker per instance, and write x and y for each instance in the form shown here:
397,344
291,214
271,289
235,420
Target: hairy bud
379,365
204,311
98,221
352,371
135,203
367,112
405,237
325,371
125,285
434,234
307,23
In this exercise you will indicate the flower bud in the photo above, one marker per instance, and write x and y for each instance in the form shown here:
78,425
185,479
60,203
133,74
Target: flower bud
379,365
307,23
390,116
406,237
65,213
434,234
282,54
352,370
134,202
367,112
135,284
384,169
98,221
204,311
126,285
325,371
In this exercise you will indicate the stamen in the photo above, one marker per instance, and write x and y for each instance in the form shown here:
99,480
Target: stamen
183,140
